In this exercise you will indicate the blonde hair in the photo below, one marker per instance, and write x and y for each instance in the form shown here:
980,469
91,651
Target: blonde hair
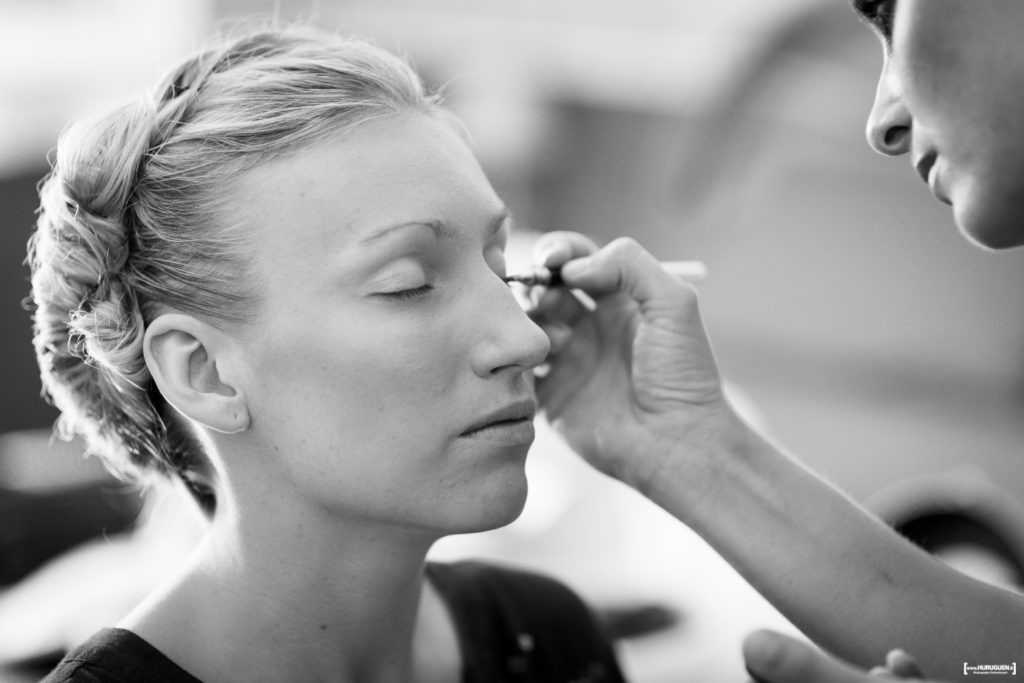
128,224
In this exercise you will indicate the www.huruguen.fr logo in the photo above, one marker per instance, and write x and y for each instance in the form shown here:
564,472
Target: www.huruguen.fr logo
990,669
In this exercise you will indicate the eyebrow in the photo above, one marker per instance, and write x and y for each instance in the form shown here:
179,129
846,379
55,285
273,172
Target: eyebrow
440,229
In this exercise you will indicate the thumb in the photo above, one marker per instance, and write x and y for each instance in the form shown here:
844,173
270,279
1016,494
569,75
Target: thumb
775,658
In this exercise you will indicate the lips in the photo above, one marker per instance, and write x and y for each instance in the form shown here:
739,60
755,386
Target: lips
513,421
924,165
926,168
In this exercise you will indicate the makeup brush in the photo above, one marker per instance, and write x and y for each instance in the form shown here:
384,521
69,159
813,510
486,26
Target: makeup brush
692,271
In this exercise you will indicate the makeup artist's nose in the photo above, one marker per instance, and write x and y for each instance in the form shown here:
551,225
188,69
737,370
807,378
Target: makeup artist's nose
889,127
505,337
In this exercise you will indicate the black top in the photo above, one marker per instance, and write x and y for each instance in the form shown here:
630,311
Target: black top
512,626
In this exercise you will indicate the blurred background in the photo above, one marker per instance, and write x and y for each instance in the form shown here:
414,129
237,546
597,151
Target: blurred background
853,321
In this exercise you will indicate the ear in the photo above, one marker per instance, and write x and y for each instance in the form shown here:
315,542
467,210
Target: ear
188,359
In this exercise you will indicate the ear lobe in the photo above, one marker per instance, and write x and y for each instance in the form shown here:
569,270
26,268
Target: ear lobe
182,355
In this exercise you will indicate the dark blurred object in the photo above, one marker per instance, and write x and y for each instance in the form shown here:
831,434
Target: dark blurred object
637,620
38,526
29,671
52,499
21,406
963,518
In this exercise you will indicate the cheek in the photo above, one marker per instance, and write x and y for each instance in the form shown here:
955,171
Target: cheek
347,382
355,418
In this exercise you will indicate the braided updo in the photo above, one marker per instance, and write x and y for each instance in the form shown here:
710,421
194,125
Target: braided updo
129,225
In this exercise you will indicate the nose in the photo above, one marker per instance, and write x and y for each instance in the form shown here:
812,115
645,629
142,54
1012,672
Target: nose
506,339
889,128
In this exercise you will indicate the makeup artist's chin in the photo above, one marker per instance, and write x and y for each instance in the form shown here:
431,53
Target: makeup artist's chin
988,227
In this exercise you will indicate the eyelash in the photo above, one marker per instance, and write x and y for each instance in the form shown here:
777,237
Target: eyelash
408,294
415,293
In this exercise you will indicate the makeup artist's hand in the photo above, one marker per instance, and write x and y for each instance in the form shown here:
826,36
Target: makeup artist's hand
775,658
632,383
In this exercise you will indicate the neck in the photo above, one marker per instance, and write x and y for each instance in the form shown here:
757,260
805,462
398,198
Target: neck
305,594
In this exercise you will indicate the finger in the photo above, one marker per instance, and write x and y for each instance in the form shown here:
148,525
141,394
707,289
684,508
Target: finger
903,665
558,246
775,658
557,304
559,335
562,377
625,266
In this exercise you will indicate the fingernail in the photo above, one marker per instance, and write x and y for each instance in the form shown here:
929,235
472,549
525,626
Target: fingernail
545,251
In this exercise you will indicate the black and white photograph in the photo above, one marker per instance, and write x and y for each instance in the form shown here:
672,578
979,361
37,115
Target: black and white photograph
554,341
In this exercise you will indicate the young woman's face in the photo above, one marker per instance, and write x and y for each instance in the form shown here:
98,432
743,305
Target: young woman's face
951,94
388,373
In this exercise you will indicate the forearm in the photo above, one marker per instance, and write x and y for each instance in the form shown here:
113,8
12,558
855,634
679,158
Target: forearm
849,582
633,386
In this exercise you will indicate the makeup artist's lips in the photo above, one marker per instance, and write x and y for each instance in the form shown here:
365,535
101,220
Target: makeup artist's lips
512,424
927,168
924,164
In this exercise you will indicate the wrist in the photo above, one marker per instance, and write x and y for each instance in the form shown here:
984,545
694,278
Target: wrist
700,462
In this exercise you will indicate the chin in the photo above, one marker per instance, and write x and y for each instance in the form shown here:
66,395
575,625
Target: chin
990,228
498,506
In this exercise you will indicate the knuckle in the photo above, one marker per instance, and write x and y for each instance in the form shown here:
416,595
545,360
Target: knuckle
625,248
688,296
570,244
551,242
682,298
554,237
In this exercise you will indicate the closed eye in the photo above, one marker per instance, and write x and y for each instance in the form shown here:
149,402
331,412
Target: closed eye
408,294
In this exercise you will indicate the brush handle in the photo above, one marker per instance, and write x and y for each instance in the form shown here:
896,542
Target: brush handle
692,271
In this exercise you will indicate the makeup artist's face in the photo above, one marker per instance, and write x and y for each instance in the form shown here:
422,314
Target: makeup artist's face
389,371
951,94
